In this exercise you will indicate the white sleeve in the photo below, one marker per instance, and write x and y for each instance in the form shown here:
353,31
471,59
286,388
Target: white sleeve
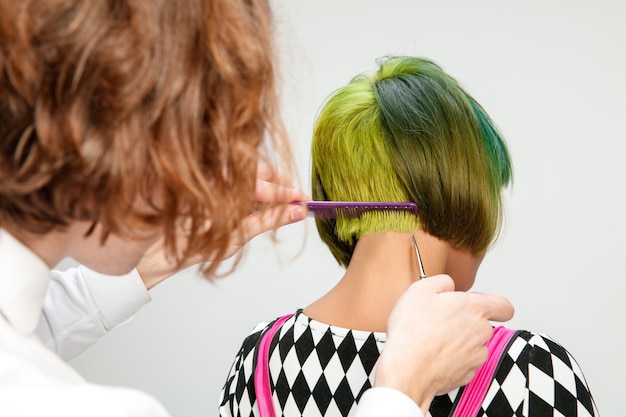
77,400
81,306
381,401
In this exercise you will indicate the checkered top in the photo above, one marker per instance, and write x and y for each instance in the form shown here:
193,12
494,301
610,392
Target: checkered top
322,370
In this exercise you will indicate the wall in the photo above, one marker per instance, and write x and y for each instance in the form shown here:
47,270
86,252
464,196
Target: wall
550,73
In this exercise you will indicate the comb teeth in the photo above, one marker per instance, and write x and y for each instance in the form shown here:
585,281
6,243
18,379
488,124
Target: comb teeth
352,209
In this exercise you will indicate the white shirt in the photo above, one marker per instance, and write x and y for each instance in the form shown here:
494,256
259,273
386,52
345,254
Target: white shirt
81,306
34,381
69,311
377,402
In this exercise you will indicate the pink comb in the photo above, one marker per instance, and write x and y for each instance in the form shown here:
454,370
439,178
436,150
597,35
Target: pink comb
352,209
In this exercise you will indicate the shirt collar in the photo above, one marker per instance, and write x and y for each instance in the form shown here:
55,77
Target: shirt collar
24,279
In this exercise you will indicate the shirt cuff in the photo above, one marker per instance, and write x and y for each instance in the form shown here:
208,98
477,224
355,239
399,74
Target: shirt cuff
117,297
381,401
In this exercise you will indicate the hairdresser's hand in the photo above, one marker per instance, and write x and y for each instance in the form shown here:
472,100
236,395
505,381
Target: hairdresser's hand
436,338
271,188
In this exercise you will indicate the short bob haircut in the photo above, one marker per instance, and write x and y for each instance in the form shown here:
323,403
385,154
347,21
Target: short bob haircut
409,133
136,115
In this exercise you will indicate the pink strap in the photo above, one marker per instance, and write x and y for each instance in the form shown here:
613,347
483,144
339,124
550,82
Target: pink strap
262,386
475,391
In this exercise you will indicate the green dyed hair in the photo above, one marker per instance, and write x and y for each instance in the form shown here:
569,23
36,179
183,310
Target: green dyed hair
409,133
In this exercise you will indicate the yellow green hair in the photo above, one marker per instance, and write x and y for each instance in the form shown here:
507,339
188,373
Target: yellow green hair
409,133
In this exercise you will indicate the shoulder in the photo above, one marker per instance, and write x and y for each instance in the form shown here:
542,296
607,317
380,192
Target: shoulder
541,350
235,393
255,334
543,353
552,377
251,341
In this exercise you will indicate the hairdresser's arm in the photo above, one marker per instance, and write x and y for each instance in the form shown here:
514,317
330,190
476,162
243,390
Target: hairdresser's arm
436,339
272,188
81,305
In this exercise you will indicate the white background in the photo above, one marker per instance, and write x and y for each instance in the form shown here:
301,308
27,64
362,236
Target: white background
552,74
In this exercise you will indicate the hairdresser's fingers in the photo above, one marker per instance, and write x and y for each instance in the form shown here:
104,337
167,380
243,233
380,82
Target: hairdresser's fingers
157,265
437,283
490,306
438,334
270,219
495,307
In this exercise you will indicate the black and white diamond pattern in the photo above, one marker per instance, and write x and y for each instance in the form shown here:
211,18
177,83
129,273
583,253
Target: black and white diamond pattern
537,377
321,370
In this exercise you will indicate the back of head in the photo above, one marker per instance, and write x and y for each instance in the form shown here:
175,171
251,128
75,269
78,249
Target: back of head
133,114
409,133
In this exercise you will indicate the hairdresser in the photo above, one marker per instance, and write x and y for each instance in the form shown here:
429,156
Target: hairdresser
134,133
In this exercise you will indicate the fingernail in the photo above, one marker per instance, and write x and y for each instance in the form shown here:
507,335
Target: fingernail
296,214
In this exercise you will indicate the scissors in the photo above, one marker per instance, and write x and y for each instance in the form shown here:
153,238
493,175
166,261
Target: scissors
419,259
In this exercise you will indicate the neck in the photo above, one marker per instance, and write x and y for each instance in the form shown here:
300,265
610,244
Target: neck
383,266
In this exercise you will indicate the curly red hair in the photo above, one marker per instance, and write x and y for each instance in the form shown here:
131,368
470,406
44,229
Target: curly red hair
135,115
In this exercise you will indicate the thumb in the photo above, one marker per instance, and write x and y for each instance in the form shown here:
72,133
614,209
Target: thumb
496,307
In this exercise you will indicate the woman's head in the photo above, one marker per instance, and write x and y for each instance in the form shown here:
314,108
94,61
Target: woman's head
133,114
409,133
